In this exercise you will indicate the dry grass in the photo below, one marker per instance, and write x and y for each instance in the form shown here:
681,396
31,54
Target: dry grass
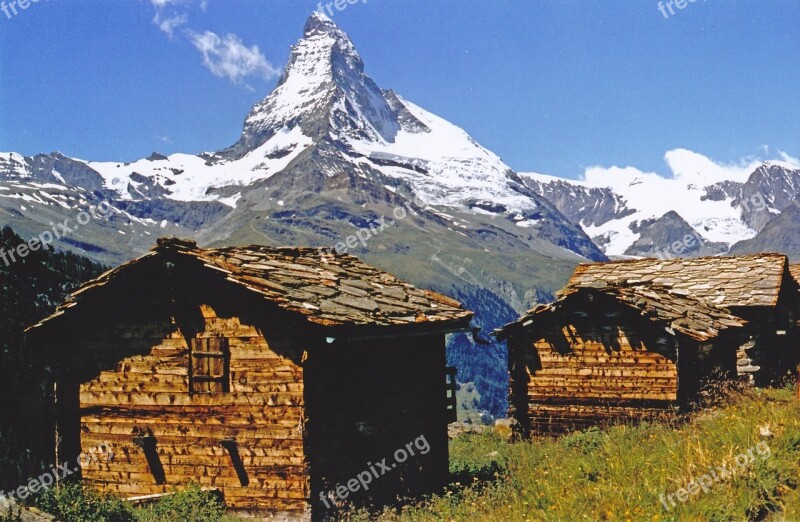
620,473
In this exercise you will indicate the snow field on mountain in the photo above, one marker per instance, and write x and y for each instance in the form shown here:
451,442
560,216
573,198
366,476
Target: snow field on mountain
189,178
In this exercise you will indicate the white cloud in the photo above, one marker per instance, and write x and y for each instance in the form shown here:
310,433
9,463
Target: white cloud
227,57
600,176
687,167
789,159
694,167
161,4
169,24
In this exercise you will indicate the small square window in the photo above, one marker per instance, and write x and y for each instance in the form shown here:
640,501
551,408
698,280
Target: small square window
209,365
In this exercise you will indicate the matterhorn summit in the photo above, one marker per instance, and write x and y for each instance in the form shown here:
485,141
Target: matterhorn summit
326,152
324,91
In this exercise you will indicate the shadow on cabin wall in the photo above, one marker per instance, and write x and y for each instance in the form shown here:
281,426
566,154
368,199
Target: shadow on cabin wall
365,401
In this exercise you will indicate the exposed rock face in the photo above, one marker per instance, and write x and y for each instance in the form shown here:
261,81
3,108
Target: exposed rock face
782,234
325,92
670,236
587,206
770,190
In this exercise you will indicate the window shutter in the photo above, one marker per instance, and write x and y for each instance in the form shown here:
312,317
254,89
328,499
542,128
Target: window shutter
209,365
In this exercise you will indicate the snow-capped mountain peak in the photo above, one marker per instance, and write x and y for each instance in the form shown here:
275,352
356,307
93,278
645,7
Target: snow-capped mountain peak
325,101
326,96
323,90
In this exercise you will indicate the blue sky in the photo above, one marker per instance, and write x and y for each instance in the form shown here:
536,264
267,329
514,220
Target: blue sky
550,86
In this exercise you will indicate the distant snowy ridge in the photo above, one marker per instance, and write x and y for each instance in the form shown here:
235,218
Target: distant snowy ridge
724,204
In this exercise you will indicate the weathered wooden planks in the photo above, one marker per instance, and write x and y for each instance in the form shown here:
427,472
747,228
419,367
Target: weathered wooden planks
550,419
558,390
150,395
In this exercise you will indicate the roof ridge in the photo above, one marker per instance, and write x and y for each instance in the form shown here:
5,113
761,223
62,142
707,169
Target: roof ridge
683,259
173,241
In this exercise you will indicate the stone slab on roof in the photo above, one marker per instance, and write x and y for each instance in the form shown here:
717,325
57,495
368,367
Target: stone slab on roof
735,281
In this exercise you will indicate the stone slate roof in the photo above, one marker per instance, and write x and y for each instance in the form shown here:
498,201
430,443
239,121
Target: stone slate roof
736,281
685,315
328,289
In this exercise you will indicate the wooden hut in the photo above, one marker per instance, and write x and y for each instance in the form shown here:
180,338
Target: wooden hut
794,269
758,288
611,354
274,375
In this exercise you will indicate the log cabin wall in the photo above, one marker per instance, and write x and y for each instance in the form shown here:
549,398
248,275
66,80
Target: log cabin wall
780,343
367,399
166,431
759,357
788,305
571,374
127,383
704,363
